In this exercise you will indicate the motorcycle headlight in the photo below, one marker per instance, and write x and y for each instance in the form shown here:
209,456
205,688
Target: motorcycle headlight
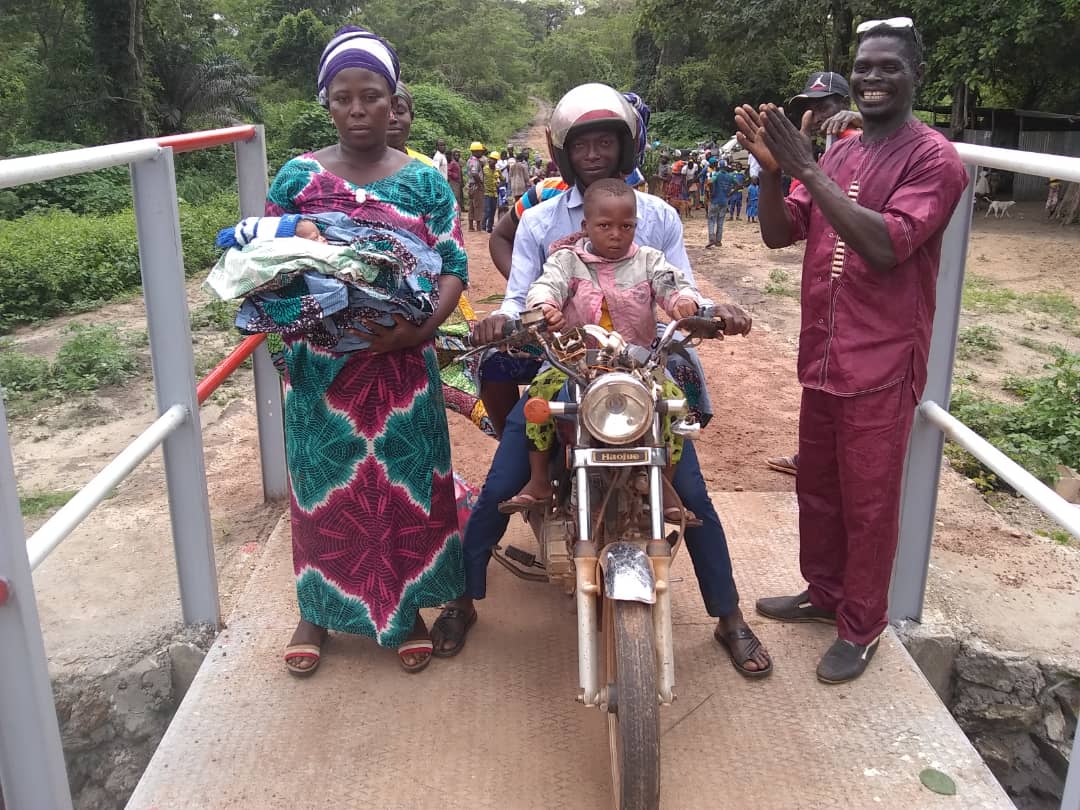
617,408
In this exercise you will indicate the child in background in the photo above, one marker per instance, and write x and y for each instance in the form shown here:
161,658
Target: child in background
734,200
752,192
603,278
504,201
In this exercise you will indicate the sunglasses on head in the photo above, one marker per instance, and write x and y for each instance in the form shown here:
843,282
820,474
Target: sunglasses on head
905,24
892,22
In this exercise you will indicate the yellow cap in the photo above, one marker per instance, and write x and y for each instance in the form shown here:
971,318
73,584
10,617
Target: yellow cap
495,155
476,146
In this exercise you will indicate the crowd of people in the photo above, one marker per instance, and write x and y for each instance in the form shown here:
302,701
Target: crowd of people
377,534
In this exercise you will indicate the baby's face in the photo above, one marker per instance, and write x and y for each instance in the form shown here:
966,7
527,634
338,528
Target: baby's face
306,229
610,223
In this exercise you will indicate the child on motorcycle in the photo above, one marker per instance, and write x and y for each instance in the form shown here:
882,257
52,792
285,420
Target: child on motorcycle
601,277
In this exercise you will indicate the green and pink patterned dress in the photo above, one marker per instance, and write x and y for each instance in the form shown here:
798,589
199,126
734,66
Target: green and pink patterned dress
374,519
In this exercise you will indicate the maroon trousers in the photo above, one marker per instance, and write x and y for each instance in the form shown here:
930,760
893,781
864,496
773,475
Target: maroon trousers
851,460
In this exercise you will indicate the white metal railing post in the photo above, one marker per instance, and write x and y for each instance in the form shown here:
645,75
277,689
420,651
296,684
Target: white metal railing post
168,322
32,771
1070,796
251,179
922,470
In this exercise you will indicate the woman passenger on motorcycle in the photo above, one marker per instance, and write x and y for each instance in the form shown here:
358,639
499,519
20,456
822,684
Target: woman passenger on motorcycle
600,277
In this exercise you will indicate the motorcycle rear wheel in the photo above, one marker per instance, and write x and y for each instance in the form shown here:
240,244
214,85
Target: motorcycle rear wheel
634,720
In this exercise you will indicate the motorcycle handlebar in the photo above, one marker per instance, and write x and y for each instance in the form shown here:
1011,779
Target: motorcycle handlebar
702,327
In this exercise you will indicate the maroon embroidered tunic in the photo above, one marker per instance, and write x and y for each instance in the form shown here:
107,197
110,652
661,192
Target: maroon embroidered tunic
865,332
865,329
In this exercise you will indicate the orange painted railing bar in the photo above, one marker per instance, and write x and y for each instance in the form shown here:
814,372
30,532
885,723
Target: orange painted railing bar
209,384
189,142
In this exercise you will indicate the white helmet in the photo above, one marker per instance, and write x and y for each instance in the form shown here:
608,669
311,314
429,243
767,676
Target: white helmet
588,107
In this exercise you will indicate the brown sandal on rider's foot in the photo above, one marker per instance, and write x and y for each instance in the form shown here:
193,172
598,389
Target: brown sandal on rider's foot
522,502
673,514
741,645
452,625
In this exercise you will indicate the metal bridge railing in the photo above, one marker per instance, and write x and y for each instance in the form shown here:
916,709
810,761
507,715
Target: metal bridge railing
32,772
933,423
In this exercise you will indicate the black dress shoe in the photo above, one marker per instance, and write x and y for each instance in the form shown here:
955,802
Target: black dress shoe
794,609
845,661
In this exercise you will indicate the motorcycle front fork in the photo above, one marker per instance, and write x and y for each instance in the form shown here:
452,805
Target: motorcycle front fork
589,592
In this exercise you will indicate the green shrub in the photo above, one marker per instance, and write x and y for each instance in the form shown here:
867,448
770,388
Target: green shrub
977,341
1038,434
217,315
778,283
54,262
310,129
105,191
21,373
92,357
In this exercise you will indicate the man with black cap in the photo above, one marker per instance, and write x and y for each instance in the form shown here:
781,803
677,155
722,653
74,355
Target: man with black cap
825,95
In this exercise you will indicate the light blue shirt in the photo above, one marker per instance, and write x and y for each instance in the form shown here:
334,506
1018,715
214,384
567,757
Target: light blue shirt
658,226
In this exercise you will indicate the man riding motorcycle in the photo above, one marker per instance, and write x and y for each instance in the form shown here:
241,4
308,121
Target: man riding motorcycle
592,135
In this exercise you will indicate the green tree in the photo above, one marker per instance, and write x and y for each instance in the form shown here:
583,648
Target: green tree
117,36
217,92
596,45
291,51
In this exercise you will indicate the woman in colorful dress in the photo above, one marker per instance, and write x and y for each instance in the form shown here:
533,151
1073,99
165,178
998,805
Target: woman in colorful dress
374,522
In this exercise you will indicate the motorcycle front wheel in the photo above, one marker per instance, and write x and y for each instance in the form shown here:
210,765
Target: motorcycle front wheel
633,708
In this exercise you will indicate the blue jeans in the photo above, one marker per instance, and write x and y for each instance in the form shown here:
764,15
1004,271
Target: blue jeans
509,472
717,212
490,205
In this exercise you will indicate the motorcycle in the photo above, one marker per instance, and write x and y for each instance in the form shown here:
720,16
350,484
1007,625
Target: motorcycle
601,537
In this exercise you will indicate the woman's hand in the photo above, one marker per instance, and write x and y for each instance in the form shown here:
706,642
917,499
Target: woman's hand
685,306
402,335
556,321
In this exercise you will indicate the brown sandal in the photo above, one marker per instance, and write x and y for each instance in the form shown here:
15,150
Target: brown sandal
741,644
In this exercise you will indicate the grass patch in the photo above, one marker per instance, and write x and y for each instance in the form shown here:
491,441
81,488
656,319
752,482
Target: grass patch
980,294
21,373
218,315
1056,304
1059,536
93,357
1022,387
40,503
967,375
977,341
779,283
1038,434
1037,345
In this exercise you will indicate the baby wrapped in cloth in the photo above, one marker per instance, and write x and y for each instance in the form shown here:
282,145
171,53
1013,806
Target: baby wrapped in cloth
324,285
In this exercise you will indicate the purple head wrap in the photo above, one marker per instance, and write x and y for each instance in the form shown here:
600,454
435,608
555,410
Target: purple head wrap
354,47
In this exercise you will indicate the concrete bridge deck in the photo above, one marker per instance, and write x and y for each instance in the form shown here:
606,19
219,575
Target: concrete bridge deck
497,727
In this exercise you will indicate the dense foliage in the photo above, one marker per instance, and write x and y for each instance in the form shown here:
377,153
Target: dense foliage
53,261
